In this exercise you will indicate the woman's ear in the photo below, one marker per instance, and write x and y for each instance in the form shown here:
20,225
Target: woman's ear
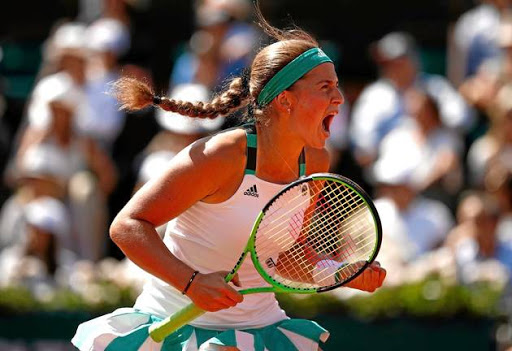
284,101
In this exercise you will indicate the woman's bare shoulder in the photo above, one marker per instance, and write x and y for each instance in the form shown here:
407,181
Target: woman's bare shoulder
224,149
221,158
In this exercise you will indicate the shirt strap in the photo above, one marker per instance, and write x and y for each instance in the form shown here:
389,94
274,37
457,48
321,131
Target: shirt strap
252,143
250,132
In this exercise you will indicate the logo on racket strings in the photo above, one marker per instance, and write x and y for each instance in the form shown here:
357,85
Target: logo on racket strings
252,191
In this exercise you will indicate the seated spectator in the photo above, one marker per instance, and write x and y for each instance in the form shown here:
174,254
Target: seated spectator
35,262
42,173
412,225
221,46
435,151
381,105
91,175
481,89
495,146
498,183
479,253
107,40
65,58
474,39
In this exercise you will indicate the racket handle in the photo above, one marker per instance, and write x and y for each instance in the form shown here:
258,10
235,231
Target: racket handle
160,330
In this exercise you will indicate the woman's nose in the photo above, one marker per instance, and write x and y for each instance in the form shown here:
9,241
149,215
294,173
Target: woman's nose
338,99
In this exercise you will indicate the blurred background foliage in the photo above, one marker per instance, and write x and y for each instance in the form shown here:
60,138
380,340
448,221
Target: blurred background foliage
429,298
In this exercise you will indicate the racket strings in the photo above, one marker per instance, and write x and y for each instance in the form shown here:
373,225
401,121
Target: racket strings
282,219
348,243
348,247
337,211
283,225
284,229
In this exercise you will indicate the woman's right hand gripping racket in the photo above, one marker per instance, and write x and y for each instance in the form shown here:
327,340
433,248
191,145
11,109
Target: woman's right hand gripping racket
318,233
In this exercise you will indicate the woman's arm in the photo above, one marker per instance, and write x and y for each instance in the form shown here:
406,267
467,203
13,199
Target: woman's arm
199,171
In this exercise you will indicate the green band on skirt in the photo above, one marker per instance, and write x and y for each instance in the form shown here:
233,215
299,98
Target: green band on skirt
126,329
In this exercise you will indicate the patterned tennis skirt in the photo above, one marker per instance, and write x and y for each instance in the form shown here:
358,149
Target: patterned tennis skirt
126,329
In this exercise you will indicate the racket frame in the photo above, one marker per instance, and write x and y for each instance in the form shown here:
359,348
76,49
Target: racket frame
276,286
158,331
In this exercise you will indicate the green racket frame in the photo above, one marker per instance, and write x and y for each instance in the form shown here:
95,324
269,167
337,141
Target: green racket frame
158,331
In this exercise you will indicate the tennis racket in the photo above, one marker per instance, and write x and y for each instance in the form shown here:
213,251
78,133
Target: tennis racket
318,233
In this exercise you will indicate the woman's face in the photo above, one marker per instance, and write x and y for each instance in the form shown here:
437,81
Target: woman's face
315,100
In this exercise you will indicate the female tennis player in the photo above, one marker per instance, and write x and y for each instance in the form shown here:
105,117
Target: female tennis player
211,194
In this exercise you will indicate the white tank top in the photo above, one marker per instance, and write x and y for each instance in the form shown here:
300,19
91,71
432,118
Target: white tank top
211,237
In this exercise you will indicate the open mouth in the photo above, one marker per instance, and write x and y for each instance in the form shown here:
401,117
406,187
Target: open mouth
326,122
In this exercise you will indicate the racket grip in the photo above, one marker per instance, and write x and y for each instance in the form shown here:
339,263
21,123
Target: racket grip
160,330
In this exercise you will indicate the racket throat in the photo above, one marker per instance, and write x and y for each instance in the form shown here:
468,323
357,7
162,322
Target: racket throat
267,289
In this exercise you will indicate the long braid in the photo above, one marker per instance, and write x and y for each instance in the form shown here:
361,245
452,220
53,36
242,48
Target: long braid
135,95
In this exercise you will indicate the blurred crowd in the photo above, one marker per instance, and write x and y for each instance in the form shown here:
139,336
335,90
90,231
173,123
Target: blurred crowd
434,151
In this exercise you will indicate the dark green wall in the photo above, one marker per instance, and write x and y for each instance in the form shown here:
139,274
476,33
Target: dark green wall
346,333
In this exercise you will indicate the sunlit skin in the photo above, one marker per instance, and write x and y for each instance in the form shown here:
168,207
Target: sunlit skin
298,118
315,100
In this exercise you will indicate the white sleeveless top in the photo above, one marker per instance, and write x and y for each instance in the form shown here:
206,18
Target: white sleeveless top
211,237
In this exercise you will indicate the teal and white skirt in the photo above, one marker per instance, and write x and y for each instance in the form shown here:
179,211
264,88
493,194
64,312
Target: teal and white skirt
126,329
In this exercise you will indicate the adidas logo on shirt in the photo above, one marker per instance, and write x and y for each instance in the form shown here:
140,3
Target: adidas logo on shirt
252,191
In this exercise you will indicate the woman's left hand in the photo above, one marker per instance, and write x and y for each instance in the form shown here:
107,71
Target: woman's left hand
371,278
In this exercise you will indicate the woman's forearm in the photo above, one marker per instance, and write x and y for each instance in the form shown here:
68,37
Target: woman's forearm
141,243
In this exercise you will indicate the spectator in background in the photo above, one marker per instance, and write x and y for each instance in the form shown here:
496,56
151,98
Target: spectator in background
480,253
495,146
221,46
381,105
107,39
498,183
89,55
412,225
65,58
91,10
90,173
436,151
35,262
474,39
41,173
480,89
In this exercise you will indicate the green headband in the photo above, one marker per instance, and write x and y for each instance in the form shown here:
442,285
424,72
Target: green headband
291,73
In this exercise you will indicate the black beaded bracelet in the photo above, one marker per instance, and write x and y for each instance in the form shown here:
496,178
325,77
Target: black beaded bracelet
189,282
